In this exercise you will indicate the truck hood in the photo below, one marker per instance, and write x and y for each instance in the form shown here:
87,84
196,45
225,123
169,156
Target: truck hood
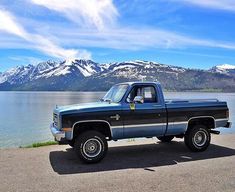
87,107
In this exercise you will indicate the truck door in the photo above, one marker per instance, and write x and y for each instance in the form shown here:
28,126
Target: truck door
147,118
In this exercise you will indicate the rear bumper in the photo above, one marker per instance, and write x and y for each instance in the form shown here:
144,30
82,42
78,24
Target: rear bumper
228,125
59,135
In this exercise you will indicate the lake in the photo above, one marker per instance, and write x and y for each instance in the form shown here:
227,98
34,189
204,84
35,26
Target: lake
25,116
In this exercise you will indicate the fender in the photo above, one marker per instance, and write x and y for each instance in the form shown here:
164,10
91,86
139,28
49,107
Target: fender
200,117
88,121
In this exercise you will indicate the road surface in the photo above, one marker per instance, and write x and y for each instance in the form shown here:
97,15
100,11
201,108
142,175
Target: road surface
141,165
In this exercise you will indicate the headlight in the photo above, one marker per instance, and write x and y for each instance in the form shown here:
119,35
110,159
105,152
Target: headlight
55,119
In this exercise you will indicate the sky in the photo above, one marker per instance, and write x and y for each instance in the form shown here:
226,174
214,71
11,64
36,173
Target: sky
187,33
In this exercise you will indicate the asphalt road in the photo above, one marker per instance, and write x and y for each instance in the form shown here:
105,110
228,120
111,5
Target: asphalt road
143,165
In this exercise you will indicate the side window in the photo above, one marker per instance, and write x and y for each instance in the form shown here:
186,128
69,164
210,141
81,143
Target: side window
147,92
149,95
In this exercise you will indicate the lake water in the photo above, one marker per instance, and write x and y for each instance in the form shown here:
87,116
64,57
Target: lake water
25,116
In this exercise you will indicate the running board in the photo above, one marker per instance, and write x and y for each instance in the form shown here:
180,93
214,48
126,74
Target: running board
215,132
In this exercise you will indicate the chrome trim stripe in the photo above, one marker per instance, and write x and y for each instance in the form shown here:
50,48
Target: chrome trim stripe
222,119
116,127
177,123
149,125
144,125
201,117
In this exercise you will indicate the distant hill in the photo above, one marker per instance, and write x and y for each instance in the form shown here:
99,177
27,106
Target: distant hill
87,75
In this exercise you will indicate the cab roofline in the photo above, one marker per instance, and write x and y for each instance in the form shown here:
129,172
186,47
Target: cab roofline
140,82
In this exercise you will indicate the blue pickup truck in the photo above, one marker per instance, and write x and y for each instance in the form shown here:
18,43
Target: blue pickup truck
137,109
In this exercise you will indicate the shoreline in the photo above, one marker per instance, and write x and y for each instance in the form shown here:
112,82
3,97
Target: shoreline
101,91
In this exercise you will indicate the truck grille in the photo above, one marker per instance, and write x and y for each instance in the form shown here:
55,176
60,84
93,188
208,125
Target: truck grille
55,119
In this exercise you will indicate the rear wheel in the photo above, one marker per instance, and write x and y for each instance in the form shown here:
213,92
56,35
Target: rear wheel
165,138
91,146
197,138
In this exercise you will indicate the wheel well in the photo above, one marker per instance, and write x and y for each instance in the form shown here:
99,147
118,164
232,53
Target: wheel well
101,127
209,122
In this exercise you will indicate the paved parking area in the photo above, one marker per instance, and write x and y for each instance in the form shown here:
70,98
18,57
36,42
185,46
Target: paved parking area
141,165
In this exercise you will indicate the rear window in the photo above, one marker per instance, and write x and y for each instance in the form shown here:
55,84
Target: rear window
148,92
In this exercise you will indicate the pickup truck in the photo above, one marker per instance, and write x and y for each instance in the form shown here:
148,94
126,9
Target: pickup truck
137,109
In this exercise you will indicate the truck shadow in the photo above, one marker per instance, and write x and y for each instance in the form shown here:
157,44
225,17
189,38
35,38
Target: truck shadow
135,156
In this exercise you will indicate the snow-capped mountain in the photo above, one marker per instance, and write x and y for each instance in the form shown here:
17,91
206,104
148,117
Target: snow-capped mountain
224,68
19,74
49,69
88,75
141,70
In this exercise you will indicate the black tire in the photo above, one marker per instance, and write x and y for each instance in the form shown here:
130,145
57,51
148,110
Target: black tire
91,146
165,139
197,138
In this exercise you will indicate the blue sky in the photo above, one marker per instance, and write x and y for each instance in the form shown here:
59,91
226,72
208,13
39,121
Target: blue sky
188,33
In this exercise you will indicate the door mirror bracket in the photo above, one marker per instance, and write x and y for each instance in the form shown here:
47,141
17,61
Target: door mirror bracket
138,99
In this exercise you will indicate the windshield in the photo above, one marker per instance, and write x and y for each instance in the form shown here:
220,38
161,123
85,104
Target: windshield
116,93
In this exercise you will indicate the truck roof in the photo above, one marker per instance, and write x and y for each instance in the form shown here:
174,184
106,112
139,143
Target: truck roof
140,82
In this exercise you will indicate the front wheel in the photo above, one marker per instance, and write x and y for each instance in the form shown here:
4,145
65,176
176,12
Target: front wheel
197,138
91,146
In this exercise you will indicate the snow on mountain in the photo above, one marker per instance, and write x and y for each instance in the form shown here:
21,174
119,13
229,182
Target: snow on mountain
18,74
224,68
21,74
45,66
139,69
77,74
86,68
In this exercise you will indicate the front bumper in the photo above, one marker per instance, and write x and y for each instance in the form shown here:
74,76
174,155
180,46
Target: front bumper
59,135
228,125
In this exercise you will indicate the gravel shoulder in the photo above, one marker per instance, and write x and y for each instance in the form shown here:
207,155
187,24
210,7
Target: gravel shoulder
141,165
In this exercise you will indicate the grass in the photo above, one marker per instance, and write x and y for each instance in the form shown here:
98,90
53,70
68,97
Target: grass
40,144
131,140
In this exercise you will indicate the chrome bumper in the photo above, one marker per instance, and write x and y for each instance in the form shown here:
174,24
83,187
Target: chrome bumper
228,125
59,135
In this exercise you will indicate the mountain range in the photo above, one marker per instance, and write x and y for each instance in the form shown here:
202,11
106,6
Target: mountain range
87,75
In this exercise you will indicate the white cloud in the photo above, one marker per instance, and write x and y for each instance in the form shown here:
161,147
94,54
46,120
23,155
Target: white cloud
135,39
9,25
98,13
50,48
101,14
214,4
45,45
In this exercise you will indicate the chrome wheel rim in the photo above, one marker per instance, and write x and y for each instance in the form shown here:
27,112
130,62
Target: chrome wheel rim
200,138
92,147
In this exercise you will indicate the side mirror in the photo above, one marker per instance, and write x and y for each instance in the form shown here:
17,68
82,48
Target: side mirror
138,99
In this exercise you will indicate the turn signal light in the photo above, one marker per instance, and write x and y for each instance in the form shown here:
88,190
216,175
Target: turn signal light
227,114
66,129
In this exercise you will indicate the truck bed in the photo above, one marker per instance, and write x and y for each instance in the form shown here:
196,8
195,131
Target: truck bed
168,101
